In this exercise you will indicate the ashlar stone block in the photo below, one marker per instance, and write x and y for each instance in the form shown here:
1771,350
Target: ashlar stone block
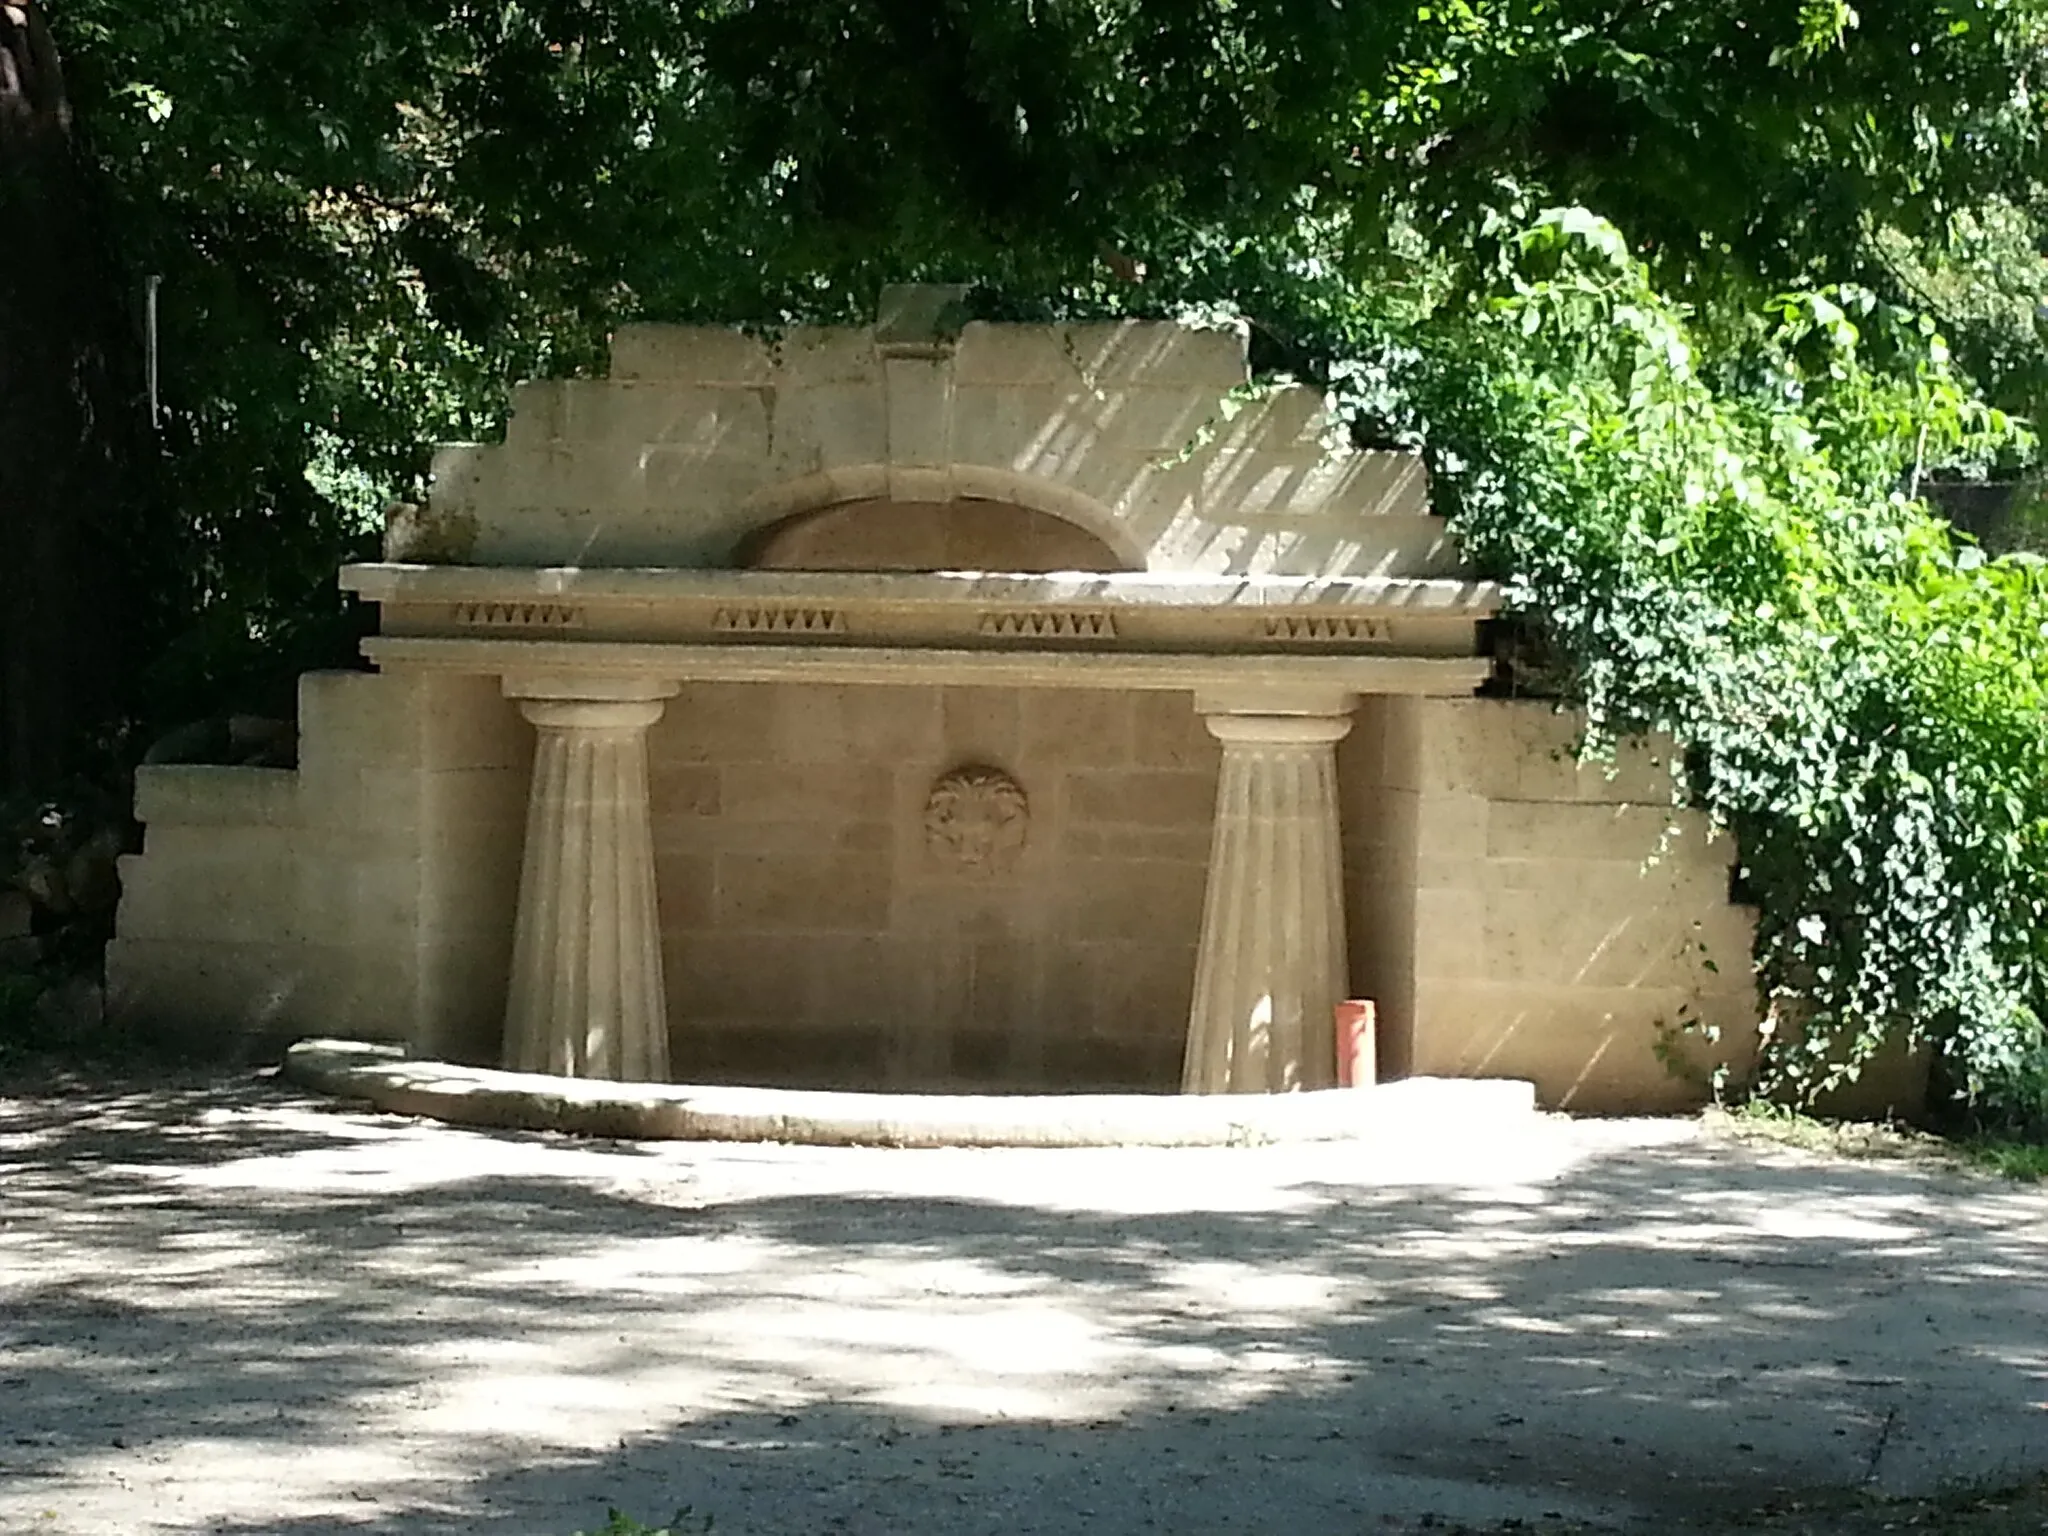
697,354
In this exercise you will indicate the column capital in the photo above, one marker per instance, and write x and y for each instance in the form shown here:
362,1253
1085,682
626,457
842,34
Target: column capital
588,688
1235,730
1286,699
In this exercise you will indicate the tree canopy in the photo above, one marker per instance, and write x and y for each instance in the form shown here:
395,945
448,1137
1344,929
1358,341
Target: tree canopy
445,190
1685,299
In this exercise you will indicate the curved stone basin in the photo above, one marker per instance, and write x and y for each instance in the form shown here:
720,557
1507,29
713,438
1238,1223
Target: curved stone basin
391,1081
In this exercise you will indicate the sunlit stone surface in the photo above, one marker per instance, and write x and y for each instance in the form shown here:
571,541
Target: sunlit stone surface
586,997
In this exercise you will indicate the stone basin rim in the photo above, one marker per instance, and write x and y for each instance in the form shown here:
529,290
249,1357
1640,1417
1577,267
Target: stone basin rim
397,1083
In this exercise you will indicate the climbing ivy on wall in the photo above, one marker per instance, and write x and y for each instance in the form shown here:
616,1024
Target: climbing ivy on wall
1723,546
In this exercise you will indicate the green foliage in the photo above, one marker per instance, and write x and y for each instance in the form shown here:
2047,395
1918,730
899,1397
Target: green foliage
1785,1125
1721,548
1985,278
366,219
2024,1162
287,173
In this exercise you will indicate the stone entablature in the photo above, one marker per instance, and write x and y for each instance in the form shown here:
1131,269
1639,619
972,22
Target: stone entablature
929,666
1078,611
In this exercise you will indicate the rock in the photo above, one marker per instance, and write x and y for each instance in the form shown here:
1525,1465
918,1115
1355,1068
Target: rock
234,741
255,742
428,537
42,878
203,741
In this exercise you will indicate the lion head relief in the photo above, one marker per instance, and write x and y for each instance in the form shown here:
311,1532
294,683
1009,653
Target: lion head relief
976,817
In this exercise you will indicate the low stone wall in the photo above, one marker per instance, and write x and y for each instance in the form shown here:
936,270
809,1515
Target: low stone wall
212,940
369,893
1525,915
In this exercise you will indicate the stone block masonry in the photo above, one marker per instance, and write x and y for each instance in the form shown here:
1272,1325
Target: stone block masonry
817,932
924,706
1525,915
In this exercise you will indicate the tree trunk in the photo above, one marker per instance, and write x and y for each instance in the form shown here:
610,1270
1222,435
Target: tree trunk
70,435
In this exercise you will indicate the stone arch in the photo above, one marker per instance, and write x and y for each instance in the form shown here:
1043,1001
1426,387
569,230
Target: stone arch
964,534
964,517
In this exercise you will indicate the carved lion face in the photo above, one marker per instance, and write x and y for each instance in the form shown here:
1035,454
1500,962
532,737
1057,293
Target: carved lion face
976,818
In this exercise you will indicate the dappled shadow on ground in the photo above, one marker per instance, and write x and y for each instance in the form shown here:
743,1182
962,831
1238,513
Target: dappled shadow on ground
232,1309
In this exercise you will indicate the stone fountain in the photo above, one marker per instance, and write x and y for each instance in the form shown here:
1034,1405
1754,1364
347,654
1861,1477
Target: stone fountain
932,706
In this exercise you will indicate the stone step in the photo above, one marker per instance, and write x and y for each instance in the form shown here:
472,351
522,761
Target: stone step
391,1081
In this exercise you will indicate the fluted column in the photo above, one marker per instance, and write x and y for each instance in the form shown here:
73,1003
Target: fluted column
586,996
1272,965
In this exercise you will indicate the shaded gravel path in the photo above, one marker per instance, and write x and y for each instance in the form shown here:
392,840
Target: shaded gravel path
229,1308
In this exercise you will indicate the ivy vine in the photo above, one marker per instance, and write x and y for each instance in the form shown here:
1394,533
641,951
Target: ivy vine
1724,544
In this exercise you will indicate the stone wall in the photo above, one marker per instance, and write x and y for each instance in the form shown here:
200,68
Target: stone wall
1514,914
1378,824
700,438
212,947
369,893
815,935
1528,916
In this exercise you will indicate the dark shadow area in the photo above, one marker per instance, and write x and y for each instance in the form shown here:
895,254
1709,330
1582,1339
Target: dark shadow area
505,1332
2002,515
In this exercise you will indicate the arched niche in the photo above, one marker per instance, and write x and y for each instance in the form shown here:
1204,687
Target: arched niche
964,534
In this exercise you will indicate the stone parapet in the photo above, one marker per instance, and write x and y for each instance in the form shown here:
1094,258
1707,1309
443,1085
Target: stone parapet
1149,434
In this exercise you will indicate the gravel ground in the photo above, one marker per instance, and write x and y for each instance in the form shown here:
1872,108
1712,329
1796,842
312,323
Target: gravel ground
225,1307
